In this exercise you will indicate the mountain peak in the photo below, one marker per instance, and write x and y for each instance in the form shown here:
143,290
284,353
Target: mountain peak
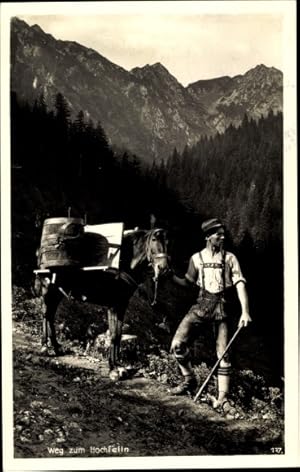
15,20
263,69
147,68
154,72
159,67
35,31
146,109
37,28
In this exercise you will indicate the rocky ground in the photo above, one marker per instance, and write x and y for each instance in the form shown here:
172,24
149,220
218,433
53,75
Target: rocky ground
70,407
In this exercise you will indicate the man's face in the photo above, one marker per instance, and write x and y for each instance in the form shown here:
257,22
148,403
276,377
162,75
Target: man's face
217,238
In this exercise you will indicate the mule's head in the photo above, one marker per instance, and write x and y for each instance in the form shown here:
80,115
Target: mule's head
151,246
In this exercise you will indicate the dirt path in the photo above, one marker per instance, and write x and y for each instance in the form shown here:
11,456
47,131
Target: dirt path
67,406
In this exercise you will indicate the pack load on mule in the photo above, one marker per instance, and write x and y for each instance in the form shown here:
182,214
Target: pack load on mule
98,263
70,242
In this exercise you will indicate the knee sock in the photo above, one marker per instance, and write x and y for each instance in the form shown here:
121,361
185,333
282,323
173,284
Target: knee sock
223,382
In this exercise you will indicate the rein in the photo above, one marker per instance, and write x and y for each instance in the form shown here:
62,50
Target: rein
160,255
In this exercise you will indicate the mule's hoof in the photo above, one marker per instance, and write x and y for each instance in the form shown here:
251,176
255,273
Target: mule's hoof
130,371
123,373
114,375
44,349
120,373
59,351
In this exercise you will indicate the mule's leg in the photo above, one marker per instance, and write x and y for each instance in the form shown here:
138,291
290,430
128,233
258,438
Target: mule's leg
52,299
118,337
115,323
44,332
40,289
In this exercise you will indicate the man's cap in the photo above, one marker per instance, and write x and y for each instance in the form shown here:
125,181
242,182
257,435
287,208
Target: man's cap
212,224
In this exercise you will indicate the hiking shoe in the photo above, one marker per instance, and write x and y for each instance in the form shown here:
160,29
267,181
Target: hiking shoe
187,387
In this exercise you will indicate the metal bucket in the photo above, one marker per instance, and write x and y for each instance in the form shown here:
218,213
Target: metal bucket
60,242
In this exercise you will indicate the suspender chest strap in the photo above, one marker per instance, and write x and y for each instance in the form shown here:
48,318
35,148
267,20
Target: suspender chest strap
211,305
213,265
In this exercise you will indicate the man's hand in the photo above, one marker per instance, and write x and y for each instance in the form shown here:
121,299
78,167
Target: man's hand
243,298
244,319
182,281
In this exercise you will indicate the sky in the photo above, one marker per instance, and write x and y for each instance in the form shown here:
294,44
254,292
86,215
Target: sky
192,43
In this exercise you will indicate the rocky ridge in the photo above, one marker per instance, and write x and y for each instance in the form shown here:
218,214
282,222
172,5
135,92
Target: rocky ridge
146,109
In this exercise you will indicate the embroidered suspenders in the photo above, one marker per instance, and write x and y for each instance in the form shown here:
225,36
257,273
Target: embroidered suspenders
211,305
213,265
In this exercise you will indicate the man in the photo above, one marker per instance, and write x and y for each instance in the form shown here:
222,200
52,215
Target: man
215,271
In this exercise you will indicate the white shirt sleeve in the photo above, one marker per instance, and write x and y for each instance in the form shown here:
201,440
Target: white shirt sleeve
236,273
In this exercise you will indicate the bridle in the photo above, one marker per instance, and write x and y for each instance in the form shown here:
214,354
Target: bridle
158,260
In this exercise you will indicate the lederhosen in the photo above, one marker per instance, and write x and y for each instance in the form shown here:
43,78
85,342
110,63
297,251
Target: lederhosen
211,306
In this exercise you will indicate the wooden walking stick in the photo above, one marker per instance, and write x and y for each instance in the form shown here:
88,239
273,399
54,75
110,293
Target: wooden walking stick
216,364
